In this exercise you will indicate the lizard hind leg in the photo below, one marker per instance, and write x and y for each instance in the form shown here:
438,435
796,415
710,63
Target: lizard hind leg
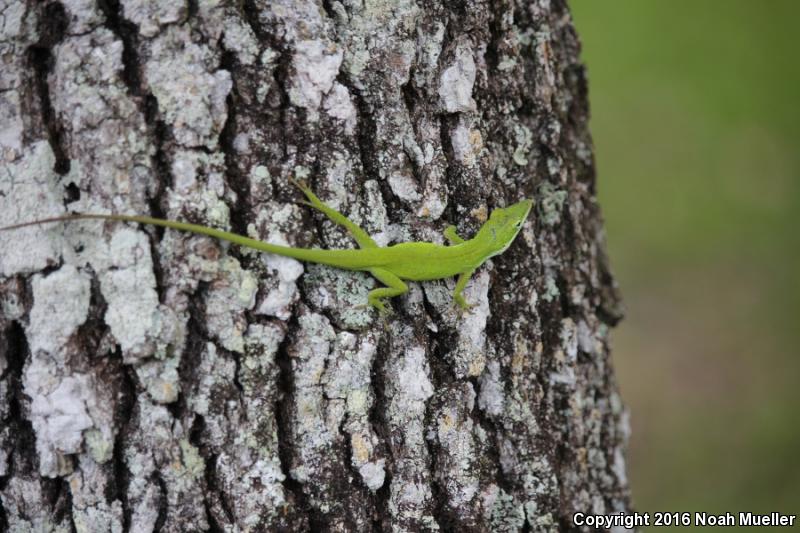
394,287
458,295
361,237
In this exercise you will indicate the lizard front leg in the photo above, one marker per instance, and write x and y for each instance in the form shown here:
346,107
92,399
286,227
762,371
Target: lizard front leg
451,235
394,287
361,237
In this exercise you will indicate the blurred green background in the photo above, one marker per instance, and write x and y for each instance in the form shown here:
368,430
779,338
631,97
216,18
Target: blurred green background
696,124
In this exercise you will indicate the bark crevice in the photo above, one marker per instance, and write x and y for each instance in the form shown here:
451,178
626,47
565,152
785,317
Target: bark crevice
128,33
53,27
283,423
124,414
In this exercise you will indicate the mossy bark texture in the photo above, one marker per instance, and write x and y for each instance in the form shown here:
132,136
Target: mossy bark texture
158,381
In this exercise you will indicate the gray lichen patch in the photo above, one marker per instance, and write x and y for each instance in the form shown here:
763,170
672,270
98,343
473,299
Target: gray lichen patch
404,186
317,417
151,17
83,16
17,33
492,396
229,296
158,454
310,357
551,203
349,387
181,72
199,184
64,404
234,402
240,39
408,389
467,143
28,509
61,304
105,135
11,119
339,104
90,508
341,293
27,189
249,466
378,38
552,291
453,432
128,286
524,140
279,291
455,85
468,355
375,216
59,416
160,378
506,513
211,394
316,65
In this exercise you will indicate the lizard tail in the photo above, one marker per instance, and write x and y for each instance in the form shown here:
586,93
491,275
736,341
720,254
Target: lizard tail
304,254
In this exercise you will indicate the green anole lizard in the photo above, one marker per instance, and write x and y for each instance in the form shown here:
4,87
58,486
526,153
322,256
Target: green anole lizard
414,261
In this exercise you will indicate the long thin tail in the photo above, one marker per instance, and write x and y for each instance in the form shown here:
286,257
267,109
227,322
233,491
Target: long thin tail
303,254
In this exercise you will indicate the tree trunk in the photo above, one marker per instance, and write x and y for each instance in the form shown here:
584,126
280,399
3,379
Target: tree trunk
160,381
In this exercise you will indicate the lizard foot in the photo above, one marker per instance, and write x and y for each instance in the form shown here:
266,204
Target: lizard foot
299,183
379,306
463,305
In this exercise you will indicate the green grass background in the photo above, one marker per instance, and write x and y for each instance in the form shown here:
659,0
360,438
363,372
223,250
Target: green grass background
696,125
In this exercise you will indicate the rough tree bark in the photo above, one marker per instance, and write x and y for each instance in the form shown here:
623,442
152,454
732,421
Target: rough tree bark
155,380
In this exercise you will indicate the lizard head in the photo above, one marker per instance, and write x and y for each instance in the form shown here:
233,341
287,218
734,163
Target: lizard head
504,224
